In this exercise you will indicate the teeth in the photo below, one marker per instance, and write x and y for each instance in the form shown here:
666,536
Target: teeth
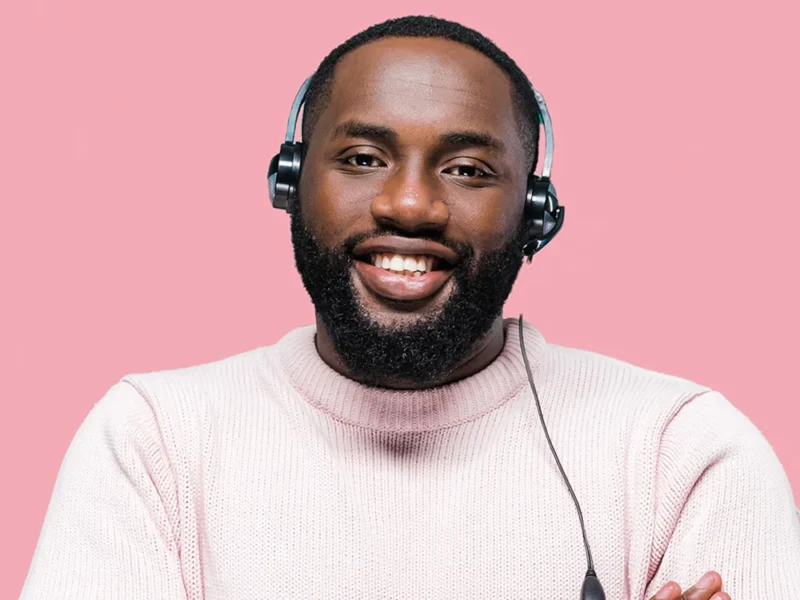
397,263
413,266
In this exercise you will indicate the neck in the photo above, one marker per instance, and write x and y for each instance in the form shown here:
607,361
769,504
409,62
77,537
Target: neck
483,352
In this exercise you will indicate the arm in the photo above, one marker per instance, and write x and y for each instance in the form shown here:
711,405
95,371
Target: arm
723,504
111,525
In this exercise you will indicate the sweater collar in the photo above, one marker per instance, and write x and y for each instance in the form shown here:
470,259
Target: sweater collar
353,403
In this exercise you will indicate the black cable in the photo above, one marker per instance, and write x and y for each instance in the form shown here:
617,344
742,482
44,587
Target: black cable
594,585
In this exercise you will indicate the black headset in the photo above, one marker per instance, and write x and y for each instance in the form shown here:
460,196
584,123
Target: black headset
543,214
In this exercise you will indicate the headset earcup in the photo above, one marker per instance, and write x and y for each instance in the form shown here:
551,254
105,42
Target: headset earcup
543,214
536,205
284,175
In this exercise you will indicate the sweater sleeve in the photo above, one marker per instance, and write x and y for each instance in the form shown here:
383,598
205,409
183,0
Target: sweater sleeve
110,529
723,503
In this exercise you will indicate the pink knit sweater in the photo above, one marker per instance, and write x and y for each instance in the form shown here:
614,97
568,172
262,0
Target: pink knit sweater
267,475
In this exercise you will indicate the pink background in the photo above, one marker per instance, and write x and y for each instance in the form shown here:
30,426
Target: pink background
136,232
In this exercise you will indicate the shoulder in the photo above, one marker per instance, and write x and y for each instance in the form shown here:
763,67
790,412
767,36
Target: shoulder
679,431
683,426
710,429
181,393
617,387
188,396
214,379
687,424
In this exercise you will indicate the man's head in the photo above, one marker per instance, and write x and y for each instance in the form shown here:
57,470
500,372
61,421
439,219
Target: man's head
418,135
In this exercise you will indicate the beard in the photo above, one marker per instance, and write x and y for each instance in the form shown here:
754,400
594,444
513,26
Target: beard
434,345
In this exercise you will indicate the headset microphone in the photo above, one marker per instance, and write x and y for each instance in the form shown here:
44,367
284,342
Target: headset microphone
543,216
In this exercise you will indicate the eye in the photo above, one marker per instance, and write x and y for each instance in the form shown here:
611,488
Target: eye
362,160
468,171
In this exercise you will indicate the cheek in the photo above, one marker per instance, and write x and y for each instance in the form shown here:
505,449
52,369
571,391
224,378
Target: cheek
488,223
334,206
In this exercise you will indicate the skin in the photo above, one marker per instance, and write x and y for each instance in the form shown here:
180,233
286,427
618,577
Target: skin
421,89
412,181
700,591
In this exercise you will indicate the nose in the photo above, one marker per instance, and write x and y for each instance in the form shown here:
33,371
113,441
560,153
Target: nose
410,201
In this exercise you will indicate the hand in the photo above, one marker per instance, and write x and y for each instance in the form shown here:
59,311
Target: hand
707,588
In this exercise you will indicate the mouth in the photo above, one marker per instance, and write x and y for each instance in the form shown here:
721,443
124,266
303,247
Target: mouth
408,265
403,277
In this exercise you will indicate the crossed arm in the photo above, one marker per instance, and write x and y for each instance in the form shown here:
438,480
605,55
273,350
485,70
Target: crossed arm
725,510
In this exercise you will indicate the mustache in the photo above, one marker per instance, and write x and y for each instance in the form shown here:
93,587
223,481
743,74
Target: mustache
464,251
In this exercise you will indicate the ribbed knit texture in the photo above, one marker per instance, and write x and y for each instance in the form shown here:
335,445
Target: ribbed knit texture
268,475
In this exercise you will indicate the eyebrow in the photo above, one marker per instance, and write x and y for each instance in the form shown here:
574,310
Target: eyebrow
460,139
353,128
472,139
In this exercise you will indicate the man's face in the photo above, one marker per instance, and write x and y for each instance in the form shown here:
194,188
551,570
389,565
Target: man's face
408,230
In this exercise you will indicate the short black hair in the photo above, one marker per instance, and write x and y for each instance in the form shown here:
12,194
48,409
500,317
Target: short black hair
525,104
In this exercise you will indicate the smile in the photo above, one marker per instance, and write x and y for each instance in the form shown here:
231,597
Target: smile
402,276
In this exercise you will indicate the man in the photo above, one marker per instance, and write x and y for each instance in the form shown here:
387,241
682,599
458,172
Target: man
394,450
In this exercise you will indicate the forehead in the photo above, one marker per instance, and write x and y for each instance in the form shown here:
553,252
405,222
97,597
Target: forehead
426,83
